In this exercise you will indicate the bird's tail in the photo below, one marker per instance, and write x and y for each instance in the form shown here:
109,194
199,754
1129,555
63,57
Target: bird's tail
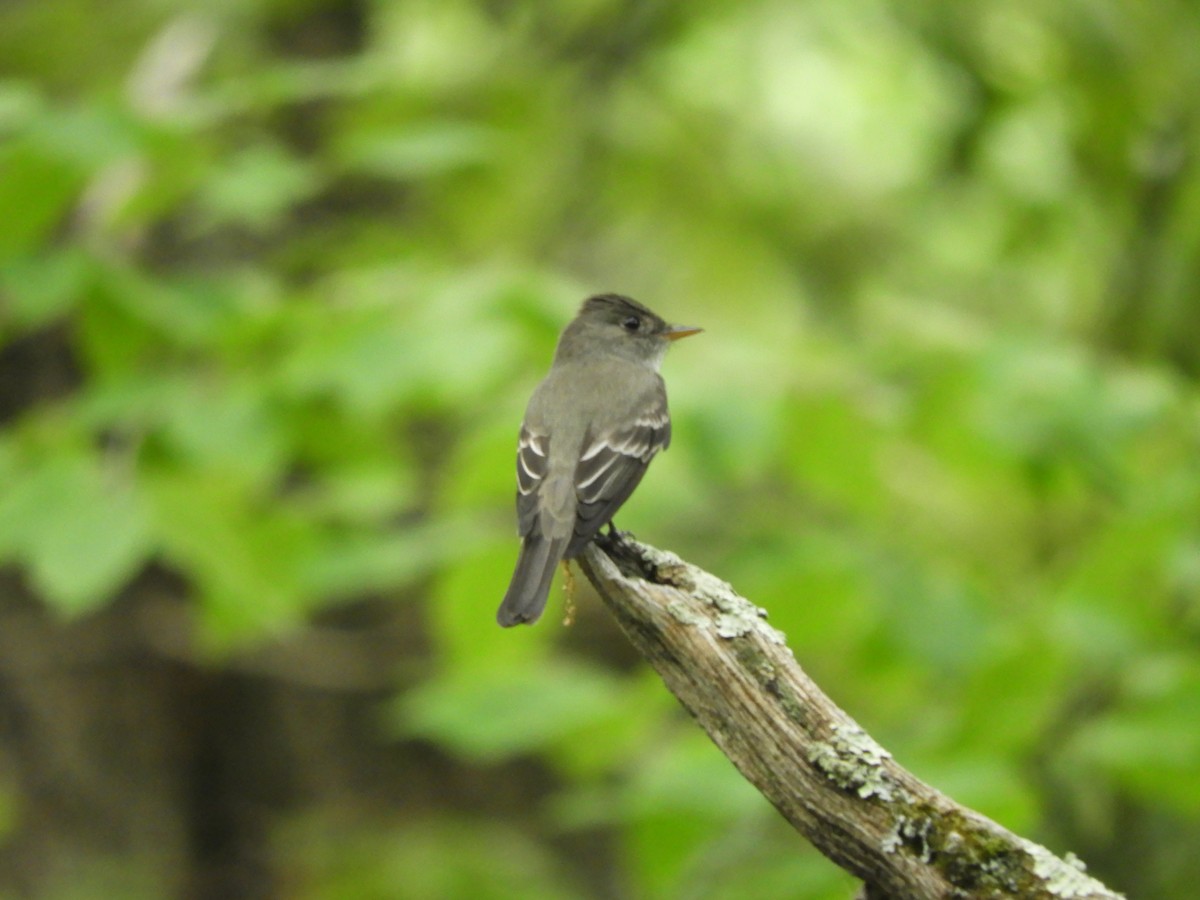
530,585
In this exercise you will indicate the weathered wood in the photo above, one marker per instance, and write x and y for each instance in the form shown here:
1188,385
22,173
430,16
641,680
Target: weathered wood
841,790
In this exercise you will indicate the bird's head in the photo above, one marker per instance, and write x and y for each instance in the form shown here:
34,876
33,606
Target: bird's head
619,325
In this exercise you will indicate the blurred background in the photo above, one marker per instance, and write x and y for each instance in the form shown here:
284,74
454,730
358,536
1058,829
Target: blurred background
278,276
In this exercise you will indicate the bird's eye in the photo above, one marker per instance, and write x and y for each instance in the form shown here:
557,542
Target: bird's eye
632,323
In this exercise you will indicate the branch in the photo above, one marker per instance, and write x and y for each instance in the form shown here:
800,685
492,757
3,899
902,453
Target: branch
736,675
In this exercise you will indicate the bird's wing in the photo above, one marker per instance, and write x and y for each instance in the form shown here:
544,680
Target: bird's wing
533,461
613,462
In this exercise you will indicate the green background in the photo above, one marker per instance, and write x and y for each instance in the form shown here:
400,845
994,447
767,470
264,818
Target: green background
277,276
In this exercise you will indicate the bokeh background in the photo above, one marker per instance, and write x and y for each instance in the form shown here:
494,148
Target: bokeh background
277,277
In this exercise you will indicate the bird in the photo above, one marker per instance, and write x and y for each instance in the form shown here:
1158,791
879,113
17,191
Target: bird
590,431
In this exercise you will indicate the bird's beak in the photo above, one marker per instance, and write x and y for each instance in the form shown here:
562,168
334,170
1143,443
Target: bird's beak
675,332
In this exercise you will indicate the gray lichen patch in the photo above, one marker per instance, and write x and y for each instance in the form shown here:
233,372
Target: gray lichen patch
737,615
732,626
854,762
983,862
684,614
1065,877
910,832
669,568
715,592
894,839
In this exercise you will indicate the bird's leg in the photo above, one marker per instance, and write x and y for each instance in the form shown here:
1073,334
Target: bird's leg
569,590
615,536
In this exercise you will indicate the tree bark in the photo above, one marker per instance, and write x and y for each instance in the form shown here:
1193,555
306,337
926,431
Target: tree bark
736,675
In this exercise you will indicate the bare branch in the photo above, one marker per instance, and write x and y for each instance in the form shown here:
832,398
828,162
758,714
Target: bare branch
736,675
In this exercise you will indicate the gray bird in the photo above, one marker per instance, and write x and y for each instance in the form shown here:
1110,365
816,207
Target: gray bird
590,430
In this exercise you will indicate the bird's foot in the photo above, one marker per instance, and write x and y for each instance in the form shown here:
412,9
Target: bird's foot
623,548
614,537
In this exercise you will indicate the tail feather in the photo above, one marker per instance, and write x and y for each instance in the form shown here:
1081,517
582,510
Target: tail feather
530,585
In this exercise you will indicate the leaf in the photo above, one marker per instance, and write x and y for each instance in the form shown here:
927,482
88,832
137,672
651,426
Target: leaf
495,715
43,287
247,560
424,149
227,426
1150,743
348,563
41,188
257,187
425,859
188,310
81,531
690,775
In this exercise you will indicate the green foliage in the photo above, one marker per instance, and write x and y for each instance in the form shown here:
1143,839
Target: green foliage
427,859
304,262
561,700
80,537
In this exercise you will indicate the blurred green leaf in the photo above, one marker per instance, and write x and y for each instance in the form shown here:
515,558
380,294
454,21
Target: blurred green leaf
257,187
247,560
43,287
461,711
1150,744
83,529
347,564
42,188
190,311
689,775
428,859
425,149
